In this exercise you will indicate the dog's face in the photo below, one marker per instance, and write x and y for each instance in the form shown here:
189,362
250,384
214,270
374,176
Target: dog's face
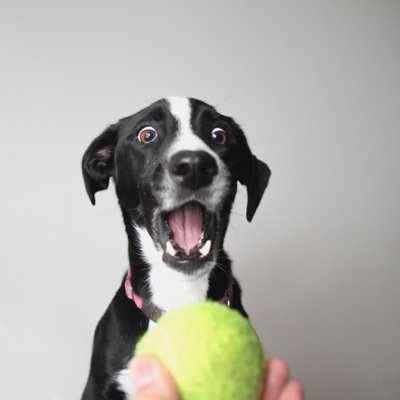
176,165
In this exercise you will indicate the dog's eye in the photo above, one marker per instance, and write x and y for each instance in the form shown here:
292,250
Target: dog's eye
147,135
219,135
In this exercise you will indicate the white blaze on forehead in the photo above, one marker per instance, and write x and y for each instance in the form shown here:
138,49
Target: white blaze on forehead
186,139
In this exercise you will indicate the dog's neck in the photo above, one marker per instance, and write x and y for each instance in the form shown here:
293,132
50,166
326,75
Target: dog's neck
151,310
168,288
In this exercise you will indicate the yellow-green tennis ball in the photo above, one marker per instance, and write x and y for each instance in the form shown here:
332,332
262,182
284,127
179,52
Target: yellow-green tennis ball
211,351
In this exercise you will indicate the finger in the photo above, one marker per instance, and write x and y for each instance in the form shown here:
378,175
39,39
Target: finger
277,376
151,381
292,391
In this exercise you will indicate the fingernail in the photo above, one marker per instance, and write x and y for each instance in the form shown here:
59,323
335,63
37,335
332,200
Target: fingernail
142,372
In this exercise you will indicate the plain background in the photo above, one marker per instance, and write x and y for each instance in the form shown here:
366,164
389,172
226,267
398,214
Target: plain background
316,87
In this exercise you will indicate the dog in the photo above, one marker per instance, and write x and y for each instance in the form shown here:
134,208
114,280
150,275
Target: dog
175,165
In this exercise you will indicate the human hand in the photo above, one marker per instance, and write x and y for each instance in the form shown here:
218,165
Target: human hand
152,382
277,383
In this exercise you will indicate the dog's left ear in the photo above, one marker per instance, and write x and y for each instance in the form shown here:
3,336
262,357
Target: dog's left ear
98,162
255,177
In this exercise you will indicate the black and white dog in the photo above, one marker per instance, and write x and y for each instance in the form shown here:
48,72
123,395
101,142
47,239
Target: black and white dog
175,165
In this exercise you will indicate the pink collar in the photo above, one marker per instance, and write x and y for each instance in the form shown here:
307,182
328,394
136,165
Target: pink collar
151,310
129,290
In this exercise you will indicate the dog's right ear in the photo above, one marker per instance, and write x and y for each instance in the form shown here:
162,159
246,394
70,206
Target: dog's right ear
98,162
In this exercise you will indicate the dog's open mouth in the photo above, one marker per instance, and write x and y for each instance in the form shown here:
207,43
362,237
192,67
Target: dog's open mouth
188,233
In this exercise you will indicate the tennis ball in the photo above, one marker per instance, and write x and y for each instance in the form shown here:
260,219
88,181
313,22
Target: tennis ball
210,350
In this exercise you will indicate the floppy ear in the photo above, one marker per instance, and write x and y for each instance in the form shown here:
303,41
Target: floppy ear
256,180
98,162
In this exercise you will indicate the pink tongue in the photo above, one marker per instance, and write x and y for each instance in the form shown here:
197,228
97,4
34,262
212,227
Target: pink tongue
186,224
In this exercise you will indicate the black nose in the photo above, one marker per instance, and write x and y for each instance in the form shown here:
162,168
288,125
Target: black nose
193,169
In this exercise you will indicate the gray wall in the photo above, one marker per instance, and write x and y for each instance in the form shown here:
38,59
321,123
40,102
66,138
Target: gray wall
315,84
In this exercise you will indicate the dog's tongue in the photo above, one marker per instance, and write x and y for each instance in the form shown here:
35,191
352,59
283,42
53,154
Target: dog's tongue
186,224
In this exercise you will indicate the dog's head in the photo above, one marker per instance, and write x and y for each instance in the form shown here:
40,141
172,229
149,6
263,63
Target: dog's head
176,165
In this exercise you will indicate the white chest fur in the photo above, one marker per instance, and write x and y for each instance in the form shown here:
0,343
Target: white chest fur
170,288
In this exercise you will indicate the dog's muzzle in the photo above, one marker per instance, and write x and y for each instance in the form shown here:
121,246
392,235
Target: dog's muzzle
187,227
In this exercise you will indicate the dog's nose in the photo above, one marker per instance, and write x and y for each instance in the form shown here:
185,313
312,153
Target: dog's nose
193,169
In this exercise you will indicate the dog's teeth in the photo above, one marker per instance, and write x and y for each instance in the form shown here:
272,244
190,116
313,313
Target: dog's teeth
206,248
170,249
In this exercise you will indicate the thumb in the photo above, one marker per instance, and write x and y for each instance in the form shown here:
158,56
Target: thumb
151,381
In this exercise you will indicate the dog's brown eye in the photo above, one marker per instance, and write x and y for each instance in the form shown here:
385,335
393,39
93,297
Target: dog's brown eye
147,135
219,135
